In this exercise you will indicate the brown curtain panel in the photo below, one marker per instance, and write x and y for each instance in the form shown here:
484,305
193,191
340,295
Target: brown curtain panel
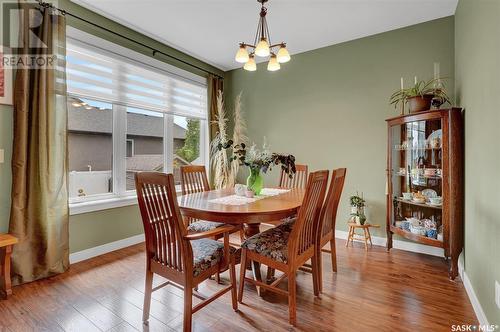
39,211
214,85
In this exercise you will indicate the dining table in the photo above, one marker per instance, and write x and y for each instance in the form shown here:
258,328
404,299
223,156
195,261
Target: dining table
223,206
250,214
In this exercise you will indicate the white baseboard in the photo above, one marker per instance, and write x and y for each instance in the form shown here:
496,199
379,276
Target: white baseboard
398,244
476,305
105,248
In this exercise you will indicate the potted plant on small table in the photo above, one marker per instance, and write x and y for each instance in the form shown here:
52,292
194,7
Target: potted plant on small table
358,209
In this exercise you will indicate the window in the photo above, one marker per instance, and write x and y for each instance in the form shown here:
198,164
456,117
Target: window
90,147
126,116
146,130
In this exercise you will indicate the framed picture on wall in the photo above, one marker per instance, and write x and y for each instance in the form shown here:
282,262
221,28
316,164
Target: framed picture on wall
6,90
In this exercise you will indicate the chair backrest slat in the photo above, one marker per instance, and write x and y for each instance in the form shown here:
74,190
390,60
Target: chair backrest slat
298,180
194,179
330,207
162,220
303,234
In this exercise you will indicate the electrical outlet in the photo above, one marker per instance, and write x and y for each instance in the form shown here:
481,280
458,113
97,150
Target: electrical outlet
497,294
2,156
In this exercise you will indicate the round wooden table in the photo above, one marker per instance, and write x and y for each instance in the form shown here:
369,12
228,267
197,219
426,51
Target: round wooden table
271,208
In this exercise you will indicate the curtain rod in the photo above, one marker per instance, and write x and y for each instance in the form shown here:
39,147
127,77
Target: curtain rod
155,51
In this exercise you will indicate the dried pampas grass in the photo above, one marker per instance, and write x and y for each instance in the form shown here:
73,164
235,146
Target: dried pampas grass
218,157
225,172
239,136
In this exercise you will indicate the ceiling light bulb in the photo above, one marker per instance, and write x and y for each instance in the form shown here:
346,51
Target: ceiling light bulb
242,55
88,107
283,55
250,65
76,104
273,64
262,48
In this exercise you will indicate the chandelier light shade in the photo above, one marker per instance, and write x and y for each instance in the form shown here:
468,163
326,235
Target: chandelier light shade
250,65
242,55
273,64
283,55
262,47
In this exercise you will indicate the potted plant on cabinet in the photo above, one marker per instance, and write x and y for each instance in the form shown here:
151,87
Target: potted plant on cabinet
421,95
358,209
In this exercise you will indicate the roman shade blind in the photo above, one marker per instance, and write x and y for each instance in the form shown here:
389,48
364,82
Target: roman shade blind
101,75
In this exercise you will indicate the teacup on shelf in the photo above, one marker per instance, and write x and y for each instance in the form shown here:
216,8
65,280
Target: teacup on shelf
436,200
407,196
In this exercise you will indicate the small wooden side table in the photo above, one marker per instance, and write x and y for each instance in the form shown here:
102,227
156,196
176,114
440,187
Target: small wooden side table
366,236
7,241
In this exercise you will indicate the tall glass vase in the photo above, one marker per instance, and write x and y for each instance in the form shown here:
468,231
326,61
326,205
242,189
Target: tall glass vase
255,182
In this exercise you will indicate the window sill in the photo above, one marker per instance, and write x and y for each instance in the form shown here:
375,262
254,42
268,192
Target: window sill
105,204
102,204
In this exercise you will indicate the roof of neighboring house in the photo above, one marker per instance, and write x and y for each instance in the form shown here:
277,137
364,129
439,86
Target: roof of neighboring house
148,162
95,120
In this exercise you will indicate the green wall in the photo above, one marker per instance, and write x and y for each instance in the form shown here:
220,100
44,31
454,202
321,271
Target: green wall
91,229
477,63
328,106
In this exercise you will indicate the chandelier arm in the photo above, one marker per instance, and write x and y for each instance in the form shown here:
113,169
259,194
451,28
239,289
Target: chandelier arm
267,31
257,39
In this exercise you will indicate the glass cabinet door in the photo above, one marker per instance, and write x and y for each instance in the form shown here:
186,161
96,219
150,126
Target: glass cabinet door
416,179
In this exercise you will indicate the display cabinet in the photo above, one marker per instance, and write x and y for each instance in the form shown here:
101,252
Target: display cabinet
425,180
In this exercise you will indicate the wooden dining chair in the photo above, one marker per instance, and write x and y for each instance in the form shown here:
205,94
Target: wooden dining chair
194,180
327,222
298,180
288,251
184,259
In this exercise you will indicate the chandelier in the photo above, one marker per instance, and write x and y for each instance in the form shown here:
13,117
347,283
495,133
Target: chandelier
262,47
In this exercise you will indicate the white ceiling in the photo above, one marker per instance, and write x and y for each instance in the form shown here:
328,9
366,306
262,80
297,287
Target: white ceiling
210,30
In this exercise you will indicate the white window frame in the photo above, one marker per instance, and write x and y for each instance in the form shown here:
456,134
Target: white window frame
120,196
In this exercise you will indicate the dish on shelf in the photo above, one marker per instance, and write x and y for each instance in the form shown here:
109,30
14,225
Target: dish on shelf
420,230
432,233
418,200
430,171
435,137
429,193
430,204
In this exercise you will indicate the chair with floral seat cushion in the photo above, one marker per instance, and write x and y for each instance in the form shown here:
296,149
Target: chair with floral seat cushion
288,251
271,243
184,259
194,180
328,217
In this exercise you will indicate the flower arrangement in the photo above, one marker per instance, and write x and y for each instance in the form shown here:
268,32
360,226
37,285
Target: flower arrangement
260,160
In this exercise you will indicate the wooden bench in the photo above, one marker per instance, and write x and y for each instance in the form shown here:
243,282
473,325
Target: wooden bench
6,243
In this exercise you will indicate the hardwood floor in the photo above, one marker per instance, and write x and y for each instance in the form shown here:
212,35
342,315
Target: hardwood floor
373,291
